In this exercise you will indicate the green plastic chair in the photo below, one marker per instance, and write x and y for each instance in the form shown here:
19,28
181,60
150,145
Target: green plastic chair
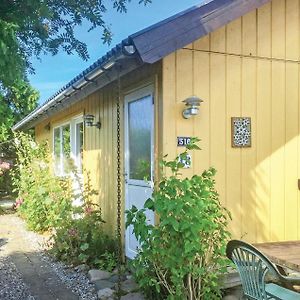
253,268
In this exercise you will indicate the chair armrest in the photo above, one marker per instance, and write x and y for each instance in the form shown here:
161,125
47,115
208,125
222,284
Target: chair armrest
290,280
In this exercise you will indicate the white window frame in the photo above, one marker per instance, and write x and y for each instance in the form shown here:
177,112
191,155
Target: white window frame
59,171
74,142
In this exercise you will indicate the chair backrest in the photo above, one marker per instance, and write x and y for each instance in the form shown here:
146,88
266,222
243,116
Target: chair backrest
253,267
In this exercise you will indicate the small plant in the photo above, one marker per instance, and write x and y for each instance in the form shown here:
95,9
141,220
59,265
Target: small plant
182,257
83,240
107,261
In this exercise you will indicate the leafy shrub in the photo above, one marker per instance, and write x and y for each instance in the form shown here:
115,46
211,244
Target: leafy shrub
83,240
182,257
44,200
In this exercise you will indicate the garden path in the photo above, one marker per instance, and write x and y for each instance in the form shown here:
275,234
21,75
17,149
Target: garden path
23,274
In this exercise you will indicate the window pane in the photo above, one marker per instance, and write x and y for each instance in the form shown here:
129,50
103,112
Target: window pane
79,145
57,150
140,125
66,148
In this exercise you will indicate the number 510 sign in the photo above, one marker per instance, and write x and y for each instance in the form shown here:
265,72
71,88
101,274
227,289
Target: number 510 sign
182,141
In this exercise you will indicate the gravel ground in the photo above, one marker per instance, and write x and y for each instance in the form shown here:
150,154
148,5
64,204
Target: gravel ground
77,281
13,288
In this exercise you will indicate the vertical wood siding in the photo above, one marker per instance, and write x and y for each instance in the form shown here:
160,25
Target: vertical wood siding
99,157
99,160
248,68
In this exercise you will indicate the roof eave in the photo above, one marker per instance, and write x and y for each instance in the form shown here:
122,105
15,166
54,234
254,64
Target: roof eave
81,82
174,33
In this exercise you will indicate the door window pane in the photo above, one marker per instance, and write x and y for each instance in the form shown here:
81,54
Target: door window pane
139,131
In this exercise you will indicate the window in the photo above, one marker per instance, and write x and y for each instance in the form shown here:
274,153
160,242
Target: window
68,147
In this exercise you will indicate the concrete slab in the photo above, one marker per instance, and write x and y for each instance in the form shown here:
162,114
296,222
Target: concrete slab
42,281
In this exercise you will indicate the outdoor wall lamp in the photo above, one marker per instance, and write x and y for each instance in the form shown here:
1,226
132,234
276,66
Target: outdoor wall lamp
192,106
89,121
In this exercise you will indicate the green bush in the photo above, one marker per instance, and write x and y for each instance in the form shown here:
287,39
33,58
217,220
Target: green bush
183,256
44,200
83,240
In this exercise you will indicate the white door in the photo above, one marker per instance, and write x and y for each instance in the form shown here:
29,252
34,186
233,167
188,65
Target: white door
139,123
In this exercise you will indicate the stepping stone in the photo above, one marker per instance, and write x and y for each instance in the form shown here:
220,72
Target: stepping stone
115,278
133,296
105,294
128,286
102,284
95,274
7,204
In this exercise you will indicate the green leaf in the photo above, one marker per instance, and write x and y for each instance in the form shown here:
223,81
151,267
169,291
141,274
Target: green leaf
84,246
149,204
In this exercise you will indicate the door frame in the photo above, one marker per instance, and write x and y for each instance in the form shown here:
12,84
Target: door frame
134,95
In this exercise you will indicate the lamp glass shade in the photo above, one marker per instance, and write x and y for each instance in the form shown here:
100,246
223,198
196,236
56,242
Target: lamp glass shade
193,101
89,119
193,111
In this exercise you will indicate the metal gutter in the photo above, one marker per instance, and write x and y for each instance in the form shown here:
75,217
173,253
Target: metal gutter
88,76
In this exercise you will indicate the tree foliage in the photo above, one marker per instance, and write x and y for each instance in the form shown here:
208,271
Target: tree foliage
29,28
16,102
34,27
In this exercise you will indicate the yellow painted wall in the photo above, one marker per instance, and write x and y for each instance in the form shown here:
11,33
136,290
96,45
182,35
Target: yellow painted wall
248,68
99,157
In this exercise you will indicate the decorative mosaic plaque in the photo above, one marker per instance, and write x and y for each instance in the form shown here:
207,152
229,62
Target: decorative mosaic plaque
241,132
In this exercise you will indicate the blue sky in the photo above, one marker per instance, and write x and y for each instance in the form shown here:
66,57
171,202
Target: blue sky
53,72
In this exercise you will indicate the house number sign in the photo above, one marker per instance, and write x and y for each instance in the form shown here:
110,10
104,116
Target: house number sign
182,141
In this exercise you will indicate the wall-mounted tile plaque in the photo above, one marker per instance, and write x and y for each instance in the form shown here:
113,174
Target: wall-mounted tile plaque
240,132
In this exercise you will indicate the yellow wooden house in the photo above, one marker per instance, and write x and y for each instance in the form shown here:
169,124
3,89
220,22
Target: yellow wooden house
241,57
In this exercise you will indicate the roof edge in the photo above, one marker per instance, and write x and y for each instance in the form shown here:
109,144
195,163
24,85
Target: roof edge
85,78
167,36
